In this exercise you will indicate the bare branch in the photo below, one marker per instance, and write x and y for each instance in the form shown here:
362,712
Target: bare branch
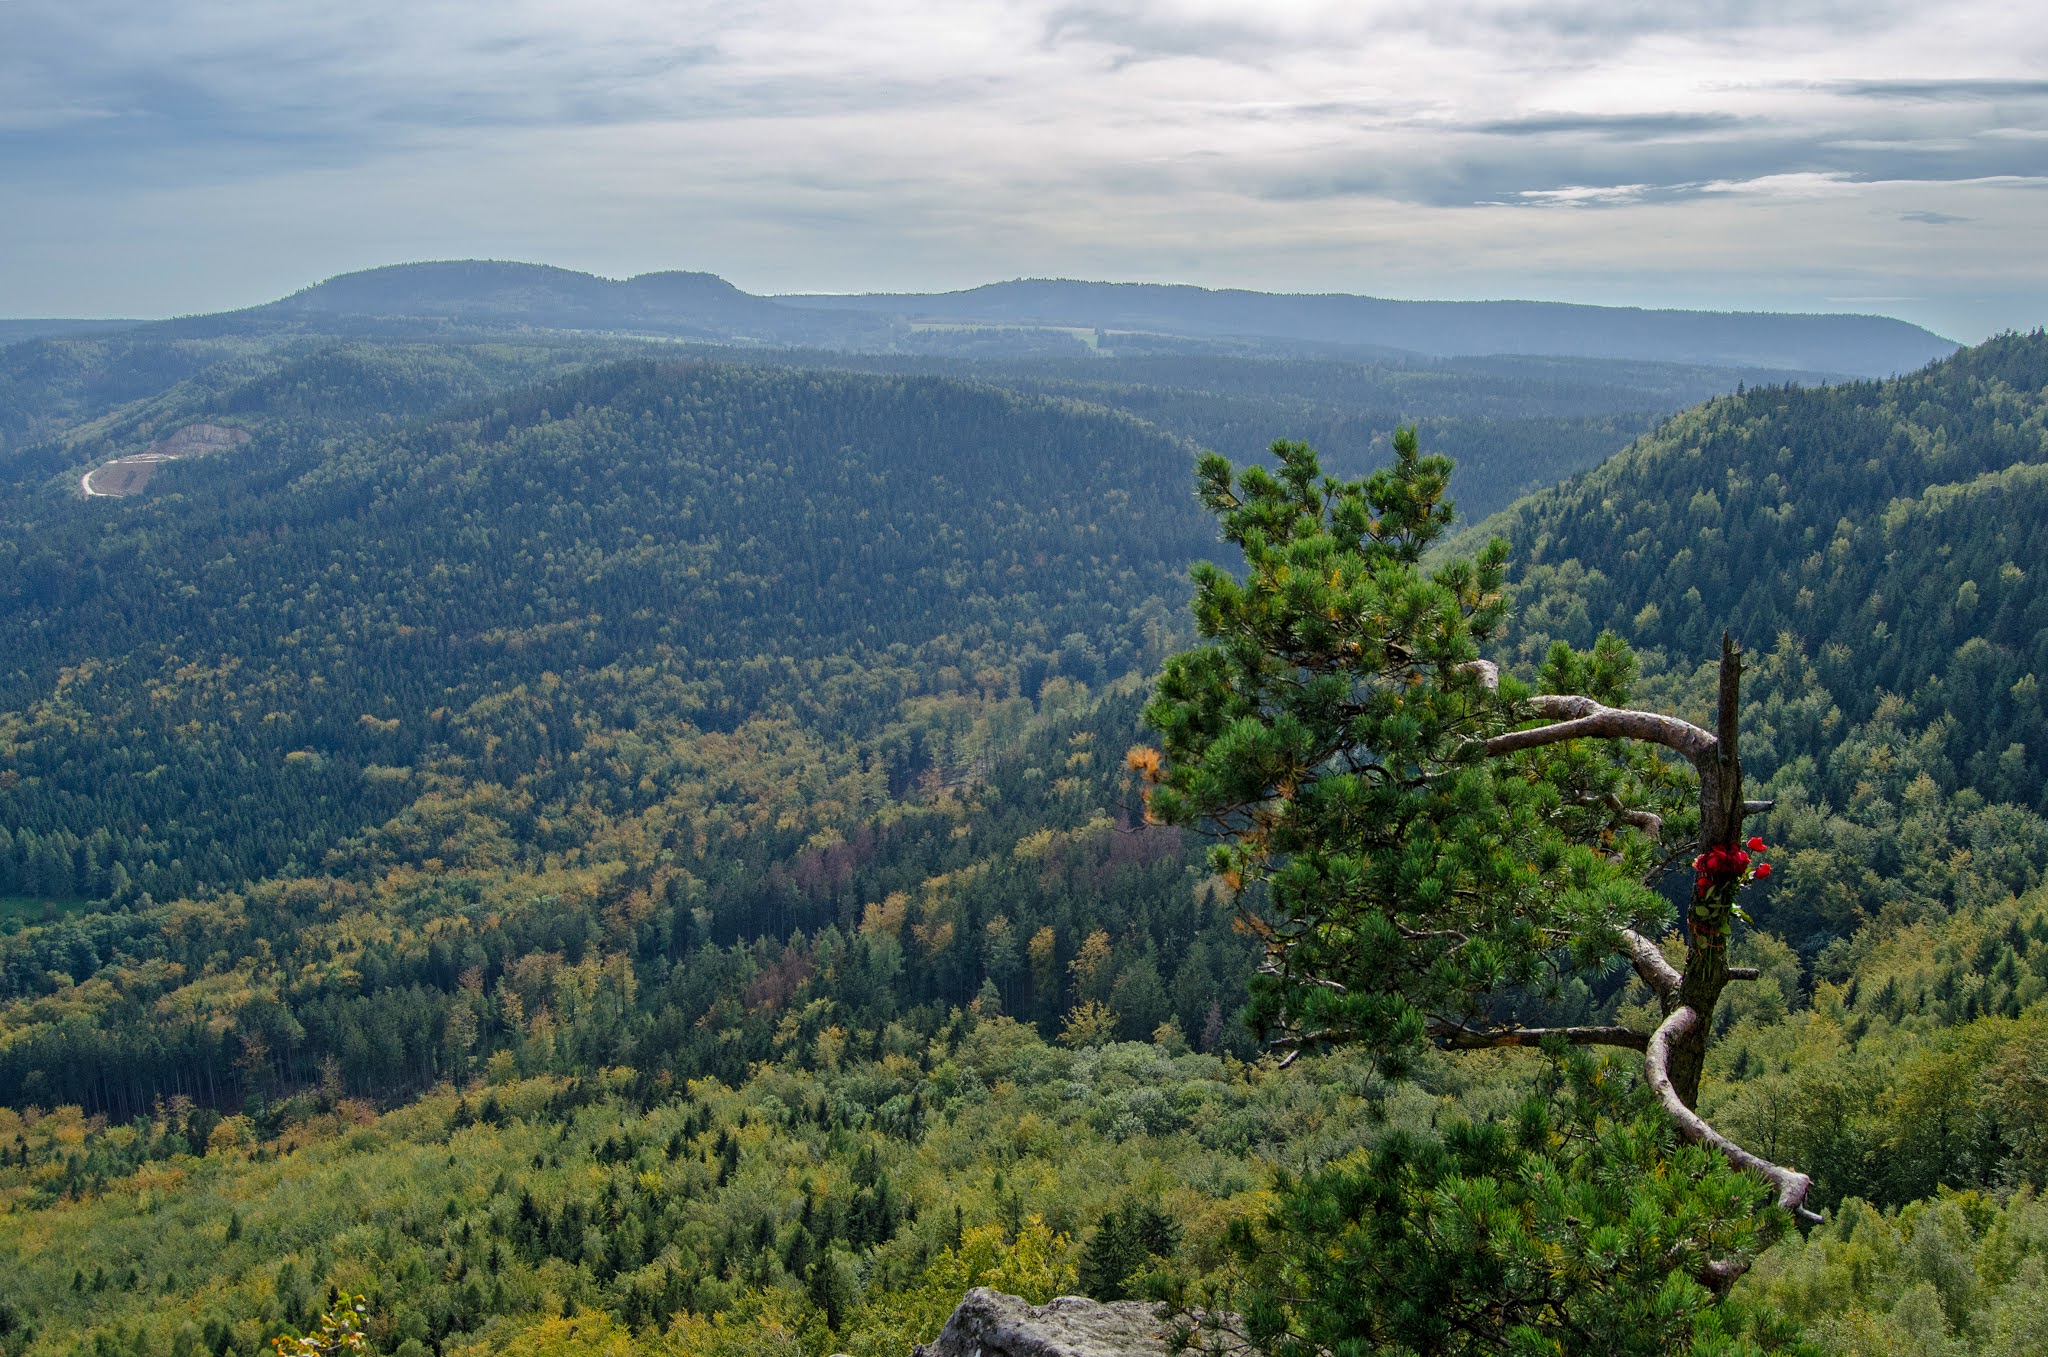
1743,972
1750,808
1294,1043
1456,1036
1792,1185
1488,671
1648,821
1648,959
1728,711
1720,1274
1581,718
1431,934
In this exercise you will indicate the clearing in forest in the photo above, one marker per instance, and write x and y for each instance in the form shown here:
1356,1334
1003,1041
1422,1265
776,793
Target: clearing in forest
130,475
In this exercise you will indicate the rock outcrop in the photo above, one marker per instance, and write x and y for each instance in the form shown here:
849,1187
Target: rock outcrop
991,1324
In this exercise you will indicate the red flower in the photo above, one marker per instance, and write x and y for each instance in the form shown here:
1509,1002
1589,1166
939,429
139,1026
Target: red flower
1763,870
1756,845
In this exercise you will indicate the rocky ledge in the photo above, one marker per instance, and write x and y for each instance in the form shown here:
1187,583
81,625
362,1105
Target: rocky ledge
991,1324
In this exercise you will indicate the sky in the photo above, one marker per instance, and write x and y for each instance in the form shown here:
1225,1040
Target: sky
163,157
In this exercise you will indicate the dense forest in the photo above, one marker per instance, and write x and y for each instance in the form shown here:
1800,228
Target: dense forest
680,549
604,851
1874,540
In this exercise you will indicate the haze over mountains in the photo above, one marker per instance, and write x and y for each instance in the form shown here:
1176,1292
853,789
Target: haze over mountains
1859,345
1231,371
497,296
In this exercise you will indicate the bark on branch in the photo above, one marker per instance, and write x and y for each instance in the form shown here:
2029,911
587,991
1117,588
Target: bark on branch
1458,1037
1648,959
1488,672
1651,823
1792,1185
1582,718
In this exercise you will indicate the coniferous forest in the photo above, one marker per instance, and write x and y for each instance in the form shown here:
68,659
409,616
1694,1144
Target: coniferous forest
601,846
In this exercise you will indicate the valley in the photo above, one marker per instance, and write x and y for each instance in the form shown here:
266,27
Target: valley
610,844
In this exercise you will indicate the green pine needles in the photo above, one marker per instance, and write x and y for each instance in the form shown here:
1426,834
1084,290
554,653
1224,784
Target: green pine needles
1571,1225
1333,735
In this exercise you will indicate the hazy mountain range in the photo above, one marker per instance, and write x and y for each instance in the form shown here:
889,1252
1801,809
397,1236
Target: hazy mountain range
1053,315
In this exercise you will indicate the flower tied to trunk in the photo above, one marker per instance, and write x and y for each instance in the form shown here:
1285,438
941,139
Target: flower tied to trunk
1717,874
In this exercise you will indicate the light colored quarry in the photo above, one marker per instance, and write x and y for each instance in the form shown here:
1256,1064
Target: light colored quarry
130,475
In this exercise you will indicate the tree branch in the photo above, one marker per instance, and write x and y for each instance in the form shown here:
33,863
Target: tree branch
1648,959
1792,1185
1458,1037
1294,1043
1580,718
1487,670
1431,934
1648,821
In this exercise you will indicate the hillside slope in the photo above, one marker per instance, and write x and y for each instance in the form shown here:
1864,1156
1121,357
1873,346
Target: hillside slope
1877,547
720,541
1514,424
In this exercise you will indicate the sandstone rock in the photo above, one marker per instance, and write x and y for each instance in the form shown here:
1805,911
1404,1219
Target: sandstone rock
991,1324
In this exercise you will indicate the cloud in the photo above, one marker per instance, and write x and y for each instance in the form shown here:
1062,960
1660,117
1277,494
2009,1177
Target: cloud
1580,195
1613,126
1163,32
1944,90
1934,218
858,143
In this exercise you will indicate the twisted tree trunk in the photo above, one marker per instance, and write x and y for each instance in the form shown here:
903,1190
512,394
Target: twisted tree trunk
1674,1056
1722,811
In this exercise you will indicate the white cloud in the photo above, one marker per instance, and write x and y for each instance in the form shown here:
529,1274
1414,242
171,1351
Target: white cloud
1580,195
1796,185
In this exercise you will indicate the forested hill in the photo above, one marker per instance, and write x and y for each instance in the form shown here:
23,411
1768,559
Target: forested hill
1878,546
14,331
230,678
68,403
489,293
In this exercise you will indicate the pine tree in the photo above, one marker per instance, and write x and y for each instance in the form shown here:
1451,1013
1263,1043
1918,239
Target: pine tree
1420,838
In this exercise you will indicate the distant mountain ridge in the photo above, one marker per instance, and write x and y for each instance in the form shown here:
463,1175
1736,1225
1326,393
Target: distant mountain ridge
1862,345
15,331
439,298
493,295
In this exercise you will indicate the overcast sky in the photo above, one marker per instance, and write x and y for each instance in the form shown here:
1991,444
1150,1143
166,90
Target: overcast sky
170,156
